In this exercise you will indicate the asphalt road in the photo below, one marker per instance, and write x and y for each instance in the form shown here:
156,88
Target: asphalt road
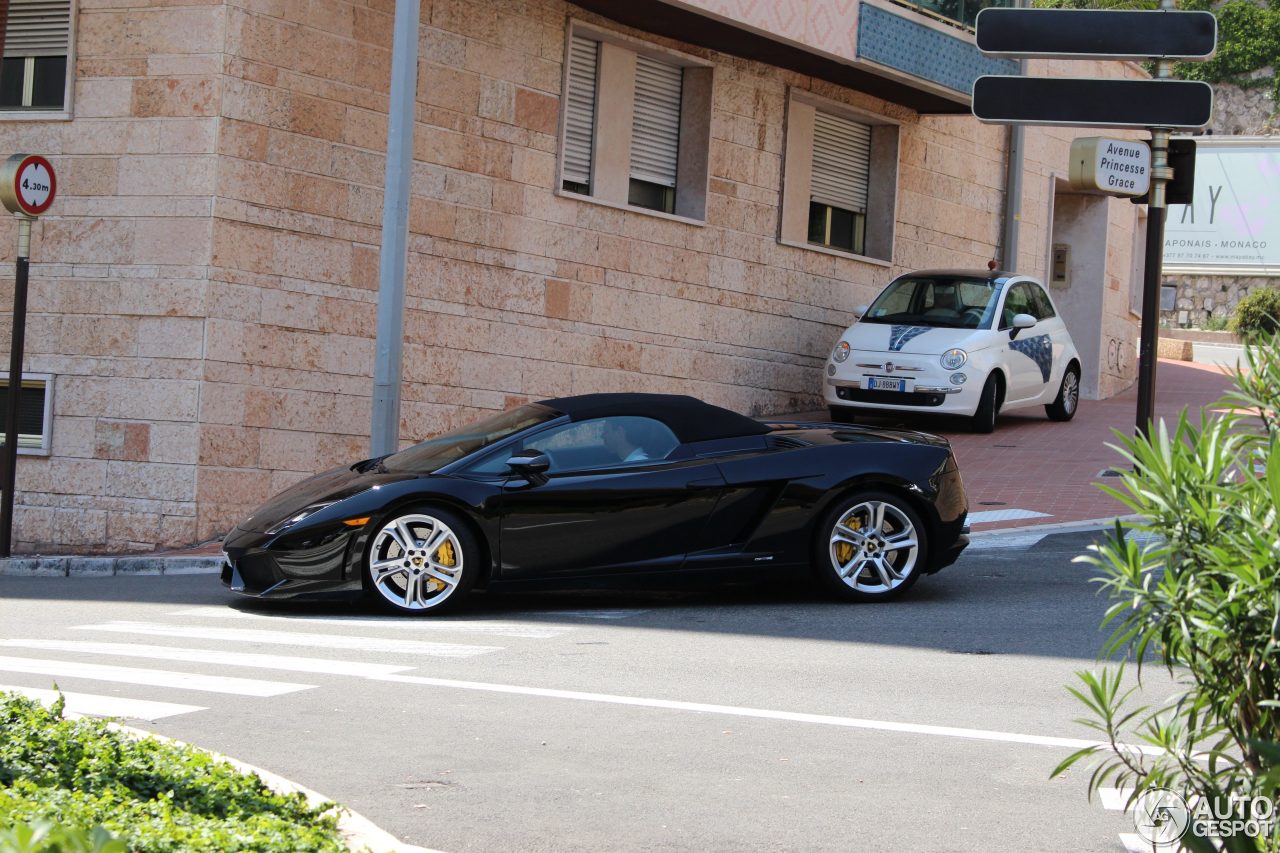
762,717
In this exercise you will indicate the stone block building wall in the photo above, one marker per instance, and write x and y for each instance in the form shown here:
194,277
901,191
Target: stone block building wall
205,288
1209,300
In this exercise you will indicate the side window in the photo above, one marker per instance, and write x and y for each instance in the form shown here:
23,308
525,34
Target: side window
1040,299
605,442
1017,302
599,443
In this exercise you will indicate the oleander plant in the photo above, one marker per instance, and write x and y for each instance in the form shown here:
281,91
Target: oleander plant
1196,592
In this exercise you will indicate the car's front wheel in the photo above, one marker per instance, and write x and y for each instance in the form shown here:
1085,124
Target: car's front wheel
421,560
984,419
871,547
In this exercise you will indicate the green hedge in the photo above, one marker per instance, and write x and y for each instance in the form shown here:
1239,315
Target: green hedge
1258,313
155,796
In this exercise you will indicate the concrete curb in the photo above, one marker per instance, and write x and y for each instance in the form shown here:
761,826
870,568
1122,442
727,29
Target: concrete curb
358,831
39,567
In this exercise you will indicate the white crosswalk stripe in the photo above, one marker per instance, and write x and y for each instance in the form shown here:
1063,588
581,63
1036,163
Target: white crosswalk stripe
469,626
294,638
89,704
150,677
225,658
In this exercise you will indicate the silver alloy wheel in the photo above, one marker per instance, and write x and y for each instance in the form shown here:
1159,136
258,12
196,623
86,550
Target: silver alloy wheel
1070,392
415,562
874,546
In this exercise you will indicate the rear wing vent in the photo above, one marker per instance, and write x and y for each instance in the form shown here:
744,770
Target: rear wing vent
787,442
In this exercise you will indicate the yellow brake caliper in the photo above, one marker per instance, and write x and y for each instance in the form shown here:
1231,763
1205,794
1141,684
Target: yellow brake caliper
446,557
844,550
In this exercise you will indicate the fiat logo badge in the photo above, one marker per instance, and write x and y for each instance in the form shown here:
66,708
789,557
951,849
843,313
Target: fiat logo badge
888,367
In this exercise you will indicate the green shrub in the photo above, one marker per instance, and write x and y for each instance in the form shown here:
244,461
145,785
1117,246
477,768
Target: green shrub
1203,598
155,796
1258,313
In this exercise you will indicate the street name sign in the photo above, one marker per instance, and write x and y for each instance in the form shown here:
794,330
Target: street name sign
1088,102
1113,166
1095,33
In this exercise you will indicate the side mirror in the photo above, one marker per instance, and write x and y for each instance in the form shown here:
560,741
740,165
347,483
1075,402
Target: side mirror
1020,322
861,310
530,464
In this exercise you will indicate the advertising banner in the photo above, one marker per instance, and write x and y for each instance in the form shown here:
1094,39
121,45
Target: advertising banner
1233,225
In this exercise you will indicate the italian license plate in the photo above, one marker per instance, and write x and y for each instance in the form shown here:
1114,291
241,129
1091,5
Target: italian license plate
884,383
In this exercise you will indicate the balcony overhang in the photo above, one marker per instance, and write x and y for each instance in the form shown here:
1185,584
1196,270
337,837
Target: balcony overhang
886,50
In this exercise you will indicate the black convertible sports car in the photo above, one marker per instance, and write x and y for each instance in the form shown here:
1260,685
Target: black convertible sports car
606,485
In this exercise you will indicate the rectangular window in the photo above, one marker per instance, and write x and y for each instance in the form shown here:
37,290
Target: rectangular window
580,114
839,183
35,411
655,134
635,124
33,75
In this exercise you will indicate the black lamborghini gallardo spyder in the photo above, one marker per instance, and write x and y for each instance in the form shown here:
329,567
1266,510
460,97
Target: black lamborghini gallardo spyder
605,485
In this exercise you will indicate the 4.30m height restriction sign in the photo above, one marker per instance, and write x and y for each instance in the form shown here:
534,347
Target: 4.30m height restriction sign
27,184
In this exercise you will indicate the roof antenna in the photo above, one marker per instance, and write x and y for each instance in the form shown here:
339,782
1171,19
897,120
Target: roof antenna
992,265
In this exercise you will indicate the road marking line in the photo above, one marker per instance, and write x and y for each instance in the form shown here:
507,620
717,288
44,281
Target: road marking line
150,677
1115,799
1134,843
294,638
471,626
990,515
90,704
247,659
760,713
992,543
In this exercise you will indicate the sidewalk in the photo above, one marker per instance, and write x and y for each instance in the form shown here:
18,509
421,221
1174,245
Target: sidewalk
1033,471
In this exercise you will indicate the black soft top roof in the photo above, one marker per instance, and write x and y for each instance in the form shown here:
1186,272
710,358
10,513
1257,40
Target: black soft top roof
688,417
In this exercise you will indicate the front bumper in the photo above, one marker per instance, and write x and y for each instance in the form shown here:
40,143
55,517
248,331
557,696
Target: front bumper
264,566
928,384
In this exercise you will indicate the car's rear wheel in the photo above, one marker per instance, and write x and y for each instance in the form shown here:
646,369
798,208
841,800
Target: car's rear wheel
421,560
871,547
1064,407
984,419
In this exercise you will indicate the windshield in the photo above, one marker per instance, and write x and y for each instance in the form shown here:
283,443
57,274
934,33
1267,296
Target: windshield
440,451
947,301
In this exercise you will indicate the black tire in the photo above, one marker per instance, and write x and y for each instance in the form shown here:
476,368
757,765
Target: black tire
1068,400
851,579
984,420
843,415
388,584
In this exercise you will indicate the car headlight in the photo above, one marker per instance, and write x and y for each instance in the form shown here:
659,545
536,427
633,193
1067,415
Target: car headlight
954,359
841,352
281,526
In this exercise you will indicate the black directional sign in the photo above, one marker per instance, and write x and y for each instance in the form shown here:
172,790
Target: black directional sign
1085,102
1094,33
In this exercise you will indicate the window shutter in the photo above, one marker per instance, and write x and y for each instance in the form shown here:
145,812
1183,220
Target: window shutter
580,112
841,162
655,132
38,28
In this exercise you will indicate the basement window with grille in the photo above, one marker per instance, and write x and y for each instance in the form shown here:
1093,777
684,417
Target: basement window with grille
35,412
37,40
636,124
840,175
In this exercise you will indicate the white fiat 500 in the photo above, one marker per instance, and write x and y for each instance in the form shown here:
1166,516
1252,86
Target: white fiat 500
956,342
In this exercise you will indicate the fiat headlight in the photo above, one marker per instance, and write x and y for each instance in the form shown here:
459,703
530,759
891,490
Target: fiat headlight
841,352
954,359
